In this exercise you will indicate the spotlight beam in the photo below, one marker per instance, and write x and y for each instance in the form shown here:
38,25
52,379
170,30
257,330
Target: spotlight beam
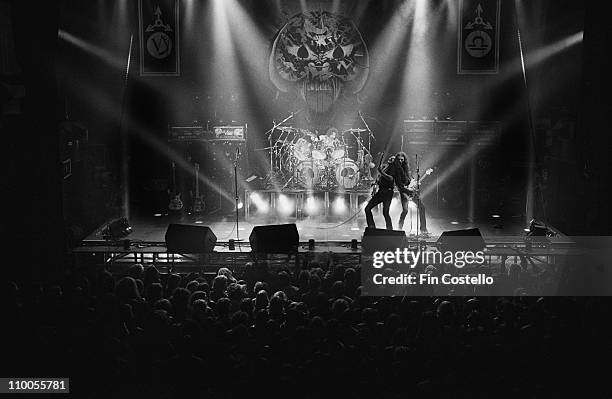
104,102
103,54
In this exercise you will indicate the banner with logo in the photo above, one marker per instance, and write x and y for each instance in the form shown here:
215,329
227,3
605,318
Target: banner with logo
478,37
159,37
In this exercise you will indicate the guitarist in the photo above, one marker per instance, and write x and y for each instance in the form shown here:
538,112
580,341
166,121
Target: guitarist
384,193
403,176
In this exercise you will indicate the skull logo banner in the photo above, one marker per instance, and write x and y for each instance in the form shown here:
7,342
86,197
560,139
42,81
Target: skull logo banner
320,55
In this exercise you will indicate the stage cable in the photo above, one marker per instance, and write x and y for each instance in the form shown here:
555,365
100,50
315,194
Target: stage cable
342,223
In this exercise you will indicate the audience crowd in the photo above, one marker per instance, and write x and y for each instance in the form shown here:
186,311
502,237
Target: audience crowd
303,334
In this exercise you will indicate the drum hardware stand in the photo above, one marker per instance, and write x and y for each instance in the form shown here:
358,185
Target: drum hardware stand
270,177
276,125
364,181
370,134
293,179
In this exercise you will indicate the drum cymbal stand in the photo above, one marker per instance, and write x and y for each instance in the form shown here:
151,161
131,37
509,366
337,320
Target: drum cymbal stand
292,183
271,177
365,178
370,134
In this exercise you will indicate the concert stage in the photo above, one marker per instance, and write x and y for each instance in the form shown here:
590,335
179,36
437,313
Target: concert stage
332,244
322,230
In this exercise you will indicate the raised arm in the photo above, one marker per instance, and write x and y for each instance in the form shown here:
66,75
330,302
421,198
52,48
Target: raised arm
383,172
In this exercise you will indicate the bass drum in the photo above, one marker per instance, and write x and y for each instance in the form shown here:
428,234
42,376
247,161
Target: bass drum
319,155
347,174
307,174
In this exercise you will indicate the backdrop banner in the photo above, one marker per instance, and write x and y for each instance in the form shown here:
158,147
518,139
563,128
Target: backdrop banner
478,37
159,37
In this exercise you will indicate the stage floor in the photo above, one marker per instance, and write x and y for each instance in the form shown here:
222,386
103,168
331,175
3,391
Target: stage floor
153,228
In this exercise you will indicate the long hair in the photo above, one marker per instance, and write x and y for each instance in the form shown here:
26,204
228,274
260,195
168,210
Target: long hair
405,168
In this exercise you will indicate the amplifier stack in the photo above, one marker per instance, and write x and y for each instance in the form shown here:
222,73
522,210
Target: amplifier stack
215,151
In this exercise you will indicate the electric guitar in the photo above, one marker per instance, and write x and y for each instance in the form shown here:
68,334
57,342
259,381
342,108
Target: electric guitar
198,200
414,183
375,184
175,197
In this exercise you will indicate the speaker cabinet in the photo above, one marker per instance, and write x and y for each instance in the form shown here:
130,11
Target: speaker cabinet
185,238
382,240
461,240
274,239
219,162
218,166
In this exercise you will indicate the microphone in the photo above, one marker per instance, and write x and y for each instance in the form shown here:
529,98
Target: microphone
237,151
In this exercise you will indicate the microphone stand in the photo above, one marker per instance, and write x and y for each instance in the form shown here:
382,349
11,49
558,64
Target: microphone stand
236,198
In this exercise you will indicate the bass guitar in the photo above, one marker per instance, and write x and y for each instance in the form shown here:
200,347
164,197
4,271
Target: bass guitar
198,200
175,196
412,186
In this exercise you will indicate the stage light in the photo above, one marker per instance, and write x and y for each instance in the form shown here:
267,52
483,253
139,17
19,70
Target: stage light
454,222
199,222
240,205
395,206
261,205
157,215
495,216
285,206
339,205
116,229
312,206
539,229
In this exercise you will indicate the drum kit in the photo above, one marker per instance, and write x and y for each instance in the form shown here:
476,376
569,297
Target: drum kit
301,159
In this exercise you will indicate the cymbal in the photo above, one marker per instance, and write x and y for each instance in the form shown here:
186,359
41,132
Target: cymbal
286,128
309,133
355,130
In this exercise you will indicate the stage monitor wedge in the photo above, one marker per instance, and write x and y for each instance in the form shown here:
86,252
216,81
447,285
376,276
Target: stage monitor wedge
461,240
382,240
186,238
274,239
